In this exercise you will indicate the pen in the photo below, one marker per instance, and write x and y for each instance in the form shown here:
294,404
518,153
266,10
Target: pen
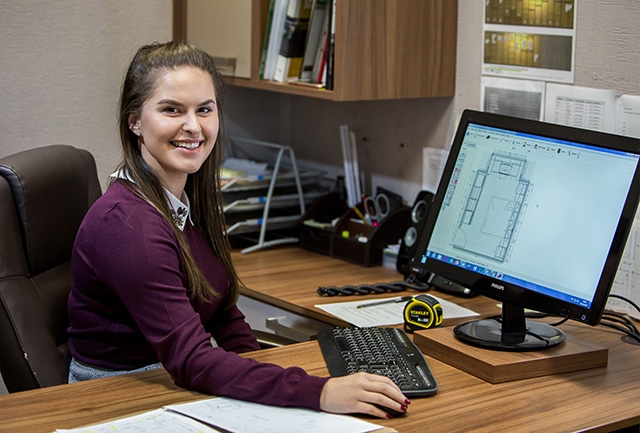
386,301
357,211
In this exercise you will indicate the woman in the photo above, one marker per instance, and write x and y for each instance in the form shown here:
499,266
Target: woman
153,281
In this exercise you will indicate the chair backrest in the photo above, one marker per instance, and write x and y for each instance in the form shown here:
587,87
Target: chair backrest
44,194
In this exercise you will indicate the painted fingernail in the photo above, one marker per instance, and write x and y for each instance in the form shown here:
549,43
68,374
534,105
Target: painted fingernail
407,401
389,416
403,407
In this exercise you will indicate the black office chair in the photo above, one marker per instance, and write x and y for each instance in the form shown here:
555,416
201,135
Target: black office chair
44,194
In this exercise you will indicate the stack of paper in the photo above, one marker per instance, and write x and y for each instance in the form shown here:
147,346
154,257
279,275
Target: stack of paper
230,415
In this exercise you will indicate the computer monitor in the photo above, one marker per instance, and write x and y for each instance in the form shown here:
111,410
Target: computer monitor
533,215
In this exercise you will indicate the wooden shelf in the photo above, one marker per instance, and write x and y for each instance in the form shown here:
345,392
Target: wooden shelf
384,49
274,86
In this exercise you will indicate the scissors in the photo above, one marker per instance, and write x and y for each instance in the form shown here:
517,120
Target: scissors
378,207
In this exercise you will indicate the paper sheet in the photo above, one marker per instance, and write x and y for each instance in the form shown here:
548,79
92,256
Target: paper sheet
581,107
385,314
628,115
243,167
230,415
511,97
433,162
243,417
536,42
155,421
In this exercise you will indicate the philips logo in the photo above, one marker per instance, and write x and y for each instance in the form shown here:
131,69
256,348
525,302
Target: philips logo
497,286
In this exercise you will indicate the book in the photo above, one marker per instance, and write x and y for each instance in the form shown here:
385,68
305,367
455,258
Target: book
317,71
314,33
330,47
289,62
267,36
275,37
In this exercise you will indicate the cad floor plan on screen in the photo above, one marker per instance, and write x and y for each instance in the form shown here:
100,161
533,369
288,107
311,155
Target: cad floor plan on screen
531,208
495,202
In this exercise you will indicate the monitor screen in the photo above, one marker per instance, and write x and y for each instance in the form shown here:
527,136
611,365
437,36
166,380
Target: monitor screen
534,215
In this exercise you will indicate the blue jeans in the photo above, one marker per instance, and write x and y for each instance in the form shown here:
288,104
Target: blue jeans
79,371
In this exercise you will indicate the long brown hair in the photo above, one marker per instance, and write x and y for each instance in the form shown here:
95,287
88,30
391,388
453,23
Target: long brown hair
148,65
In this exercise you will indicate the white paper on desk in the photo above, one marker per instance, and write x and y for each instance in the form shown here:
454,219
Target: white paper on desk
238,416
149,422
385,314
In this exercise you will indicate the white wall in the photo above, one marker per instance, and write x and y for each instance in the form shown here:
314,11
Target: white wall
61,66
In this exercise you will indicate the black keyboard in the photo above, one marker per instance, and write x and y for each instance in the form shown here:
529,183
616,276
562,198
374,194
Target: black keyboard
384,351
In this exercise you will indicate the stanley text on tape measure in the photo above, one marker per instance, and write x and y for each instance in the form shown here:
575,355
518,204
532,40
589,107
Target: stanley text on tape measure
422,312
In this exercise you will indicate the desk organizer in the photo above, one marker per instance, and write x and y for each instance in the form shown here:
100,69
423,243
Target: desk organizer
316,232
271,200
351,239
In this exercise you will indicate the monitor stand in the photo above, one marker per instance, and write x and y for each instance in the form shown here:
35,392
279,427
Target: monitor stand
513,363
511,332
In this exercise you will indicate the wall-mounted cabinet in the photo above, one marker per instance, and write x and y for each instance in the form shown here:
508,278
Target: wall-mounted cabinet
384,49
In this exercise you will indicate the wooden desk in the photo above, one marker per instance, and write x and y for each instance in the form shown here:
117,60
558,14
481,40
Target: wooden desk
90,402
594,400
288,277
603,399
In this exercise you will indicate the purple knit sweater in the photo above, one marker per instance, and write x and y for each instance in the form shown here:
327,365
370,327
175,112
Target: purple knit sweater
128,308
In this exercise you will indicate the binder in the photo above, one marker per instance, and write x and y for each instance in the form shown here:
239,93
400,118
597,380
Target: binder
289,62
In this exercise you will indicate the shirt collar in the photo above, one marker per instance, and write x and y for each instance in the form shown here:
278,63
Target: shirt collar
180,208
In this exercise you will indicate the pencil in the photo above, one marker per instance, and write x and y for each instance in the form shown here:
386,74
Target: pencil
357,211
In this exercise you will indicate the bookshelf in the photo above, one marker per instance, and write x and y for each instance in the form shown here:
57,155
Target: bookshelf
384,49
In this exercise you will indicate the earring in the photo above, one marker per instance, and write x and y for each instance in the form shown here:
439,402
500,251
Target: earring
135,128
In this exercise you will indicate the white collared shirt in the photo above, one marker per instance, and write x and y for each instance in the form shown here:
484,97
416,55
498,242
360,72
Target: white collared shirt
180,207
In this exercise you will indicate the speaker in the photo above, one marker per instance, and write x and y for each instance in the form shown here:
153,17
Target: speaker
413,230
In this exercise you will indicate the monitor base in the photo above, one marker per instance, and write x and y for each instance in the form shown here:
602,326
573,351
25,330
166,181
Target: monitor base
487,333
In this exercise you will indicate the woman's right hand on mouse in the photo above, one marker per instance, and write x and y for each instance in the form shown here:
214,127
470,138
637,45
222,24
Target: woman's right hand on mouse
358,393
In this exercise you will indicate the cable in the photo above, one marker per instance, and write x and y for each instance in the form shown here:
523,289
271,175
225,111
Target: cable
620,321
622,329
378,288
613,295
564,320
614,320
621,318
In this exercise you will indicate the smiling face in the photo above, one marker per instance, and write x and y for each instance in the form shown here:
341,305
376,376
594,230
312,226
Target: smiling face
178,125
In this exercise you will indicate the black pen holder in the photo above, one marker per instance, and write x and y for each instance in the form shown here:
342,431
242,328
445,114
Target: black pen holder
316,232
362,243
352,239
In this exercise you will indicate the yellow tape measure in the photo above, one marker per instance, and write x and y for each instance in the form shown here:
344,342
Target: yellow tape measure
422,312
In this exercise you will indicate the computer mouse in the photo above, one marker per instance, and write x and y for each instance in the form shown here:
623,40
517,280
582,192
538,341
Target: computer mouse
394,413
